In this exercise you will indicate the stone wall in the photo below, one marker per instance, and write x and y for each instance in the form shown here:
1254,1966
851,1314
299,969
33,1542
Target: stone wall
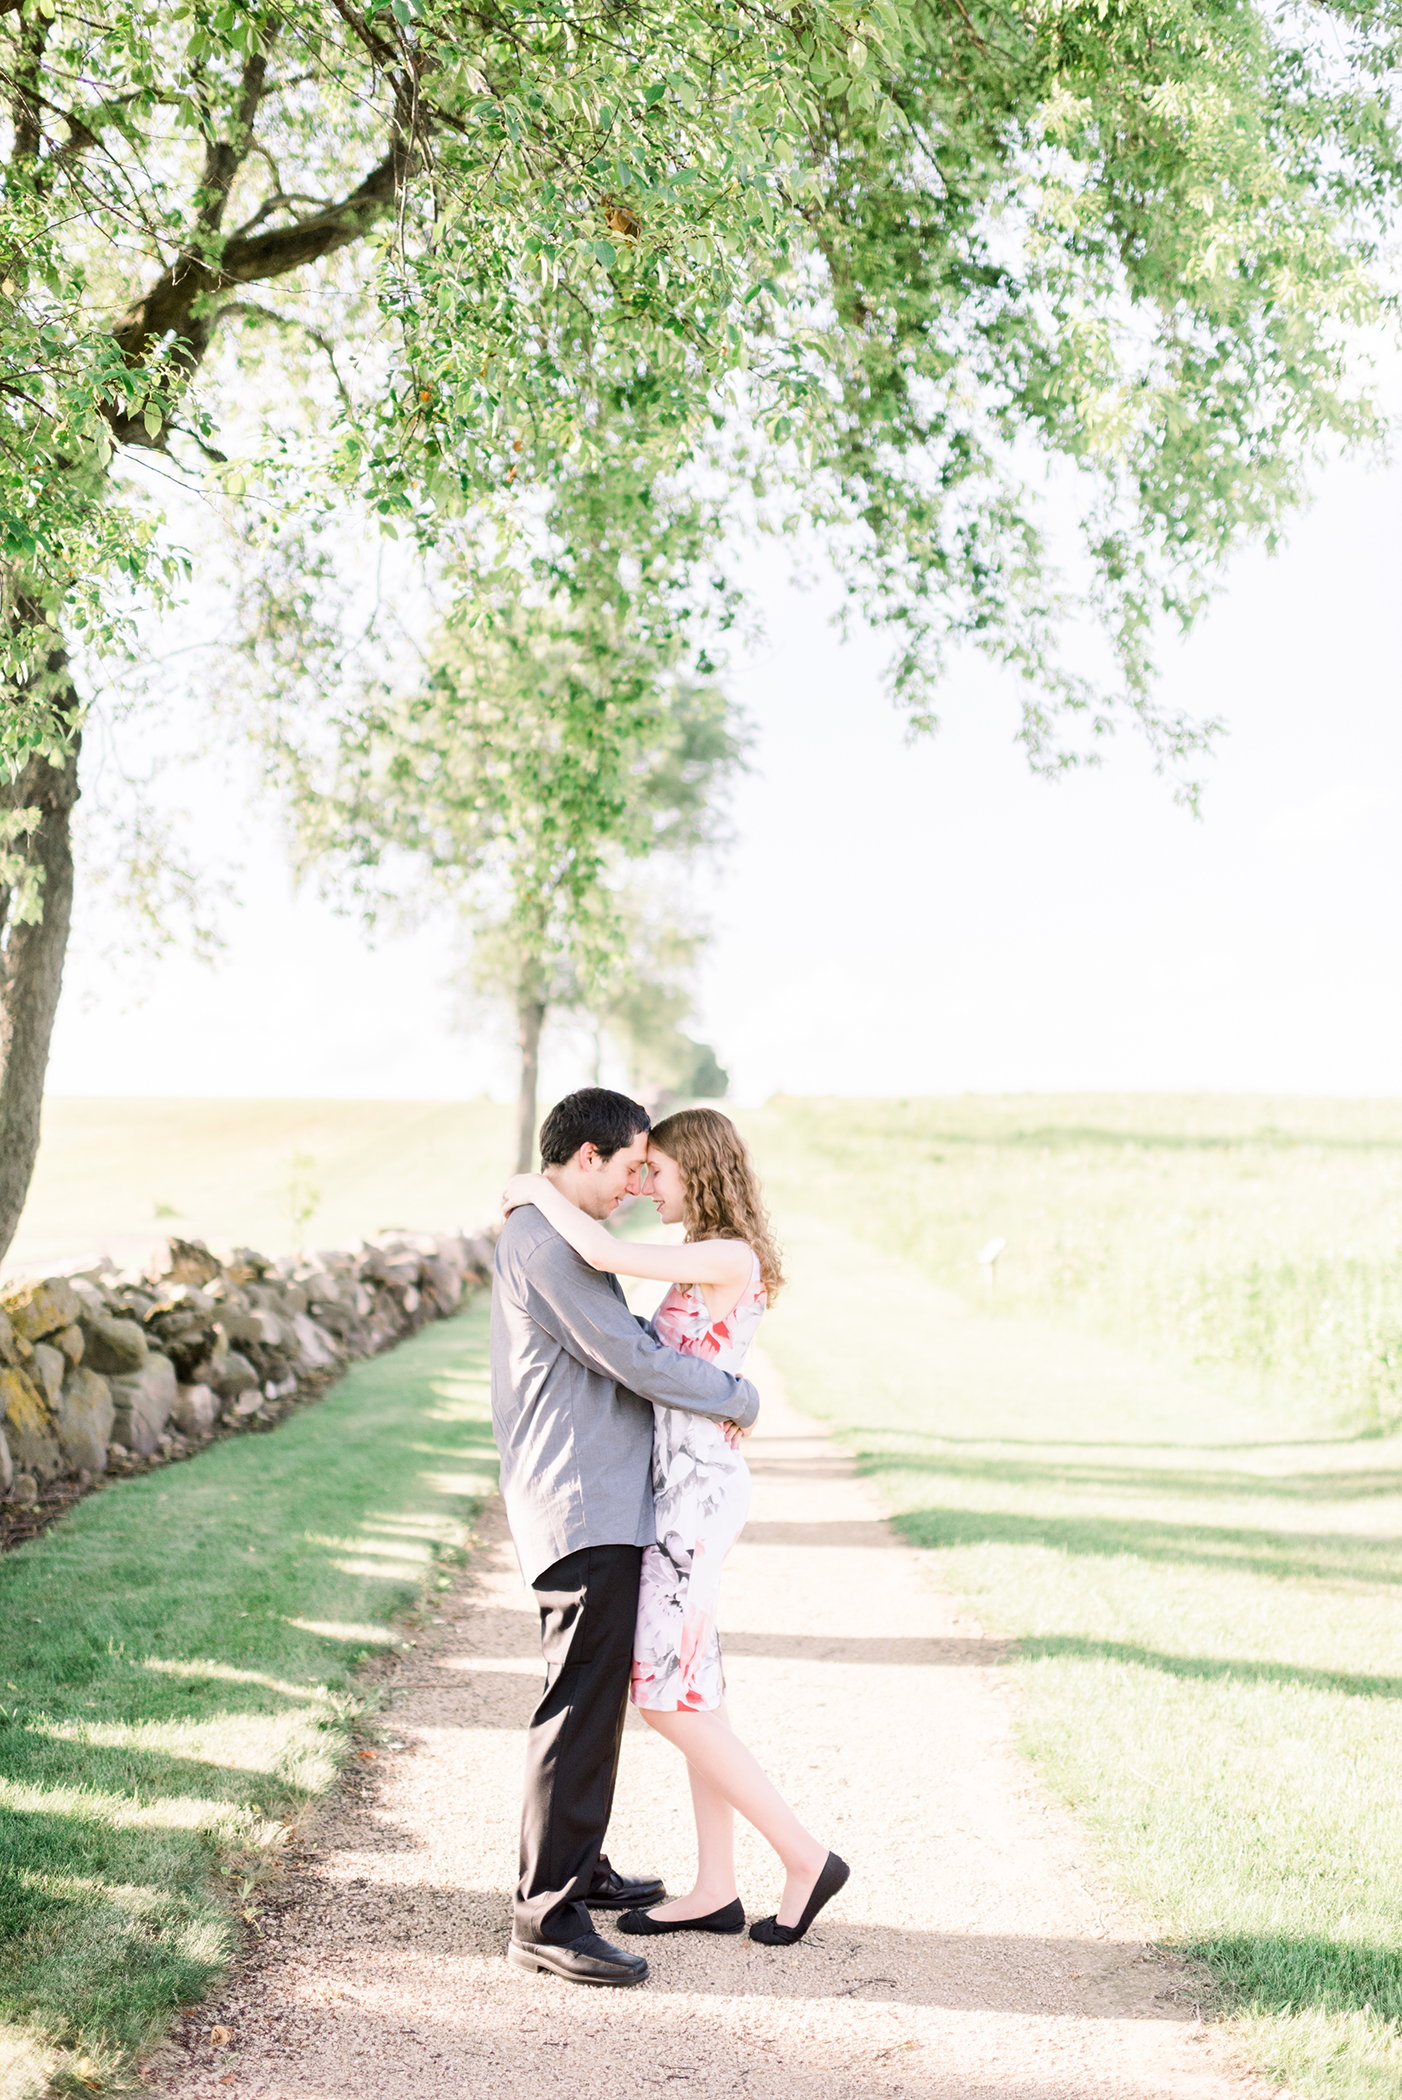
110,1373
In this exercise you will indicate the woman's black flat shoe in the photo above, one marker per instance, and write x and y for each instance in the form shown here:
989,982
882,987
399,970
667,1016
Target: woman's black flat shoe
730,1919
770,1933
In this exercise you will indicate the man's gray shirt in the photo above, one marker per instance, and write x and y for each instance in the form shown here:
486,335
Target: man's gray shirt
572,1371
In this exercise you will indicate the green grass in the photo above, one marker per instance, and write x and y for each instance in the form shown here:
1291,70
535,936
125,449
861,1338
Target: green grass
1259,1238
119,1173
1202,1569
177,1673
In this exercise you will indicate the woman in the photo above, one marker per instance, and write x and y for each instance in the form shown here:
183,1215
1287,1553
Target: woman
722,1278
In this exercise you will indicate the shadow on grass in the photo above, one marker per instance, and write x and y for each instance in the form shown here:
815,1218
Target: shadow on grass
1208,1669
1072,1137
1316,1556
70,1950
93,1896
1296,1972
1103,1443
1358,1484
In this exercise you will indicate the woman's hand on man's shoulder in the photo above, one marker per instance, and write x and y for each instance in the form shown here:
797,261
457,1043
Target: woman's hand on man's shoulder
519,1190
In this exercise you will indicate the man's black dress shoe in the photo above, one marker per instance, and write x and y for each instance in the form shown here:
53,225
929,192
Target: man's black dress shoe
587,1960
729,1918
613,1891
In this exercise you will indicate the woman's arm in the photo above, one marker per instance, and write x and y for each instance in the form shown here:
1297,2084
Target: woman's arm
723,1262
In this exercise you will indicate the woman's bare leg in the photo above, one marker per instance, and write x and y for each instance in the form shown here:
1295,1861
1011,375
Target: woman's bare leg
726,1769
714,1886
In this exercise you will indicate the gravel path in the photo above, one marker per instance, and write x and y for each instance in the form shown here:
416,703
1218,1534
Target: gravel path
970,1957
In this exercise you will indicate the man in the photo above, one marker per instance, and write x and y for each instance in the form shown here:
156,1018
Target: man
572,1372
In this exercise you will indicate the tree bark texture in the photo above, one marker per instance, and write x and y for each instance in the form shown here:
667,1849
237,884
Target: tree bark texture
530,1018
31,964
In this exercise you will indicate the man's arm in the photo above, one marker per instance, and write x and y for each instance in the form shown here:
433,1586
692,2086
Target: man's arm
580,1310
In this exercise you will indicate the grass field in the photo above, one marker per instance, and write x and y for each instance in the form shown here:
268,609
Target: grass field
1146,1463
113,1176
1256,1238
177,1684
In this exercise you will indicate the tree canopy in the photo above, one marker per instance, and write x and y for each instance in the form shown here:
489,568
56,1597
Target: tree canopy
900,247
871,266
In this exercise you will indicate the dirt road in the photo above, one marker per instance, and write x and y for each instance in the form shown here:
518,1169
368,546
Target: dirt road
971,1956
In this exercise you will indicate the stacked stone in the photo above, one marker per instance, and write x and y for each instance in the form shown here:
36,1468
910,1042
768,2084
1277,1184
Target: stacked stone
102,1373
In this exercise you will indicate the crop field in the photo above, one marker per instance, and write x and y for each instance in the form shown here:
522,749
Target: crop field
1156,1456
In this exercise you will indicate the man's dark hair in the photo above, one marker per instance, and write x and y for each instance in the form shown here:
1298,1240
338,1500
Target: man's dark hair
595,1117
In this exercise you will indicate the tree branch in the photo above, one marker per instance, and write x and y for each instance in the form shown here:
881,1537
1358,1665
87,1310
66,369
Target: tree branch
176,304
360,28
277,203
224,157
27,99
250,310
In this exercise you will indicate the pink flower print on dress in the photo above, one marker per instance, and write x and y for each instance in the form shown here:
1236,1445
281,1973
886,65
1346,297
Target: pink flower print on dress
701,1488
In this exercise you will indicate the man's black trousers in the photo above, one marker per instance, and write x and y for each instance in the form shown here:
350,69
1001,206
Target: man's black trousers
588,1609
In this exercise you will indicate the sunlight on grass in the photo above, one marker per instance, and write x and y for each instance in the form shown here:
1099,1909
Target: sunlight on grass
360,1634
428,1527
24,2064
88,1804
415,1554
182,1649
381,1571
224,1673
1203,1578
276,1743
472,1484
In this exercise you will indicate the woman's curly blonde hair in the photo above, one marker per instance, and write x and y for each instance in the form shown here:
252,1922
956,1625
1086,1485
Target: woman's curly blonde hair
721,1197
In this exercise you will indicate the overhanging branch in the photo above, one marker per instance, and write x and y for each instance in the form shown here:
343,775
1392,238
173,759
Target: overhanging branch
251,310
178,304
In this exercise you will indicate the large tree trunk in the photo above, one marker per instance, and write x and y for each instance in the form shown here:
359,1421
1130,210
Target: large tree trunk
530,1018
31,961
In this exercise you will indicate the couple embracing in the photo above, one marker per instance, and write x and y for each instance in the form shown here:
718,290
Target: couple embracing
622,1513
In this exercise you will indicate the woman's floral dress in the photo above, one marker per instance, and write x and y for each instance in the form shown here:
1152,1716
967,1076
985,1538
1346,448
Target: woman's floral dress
702,1491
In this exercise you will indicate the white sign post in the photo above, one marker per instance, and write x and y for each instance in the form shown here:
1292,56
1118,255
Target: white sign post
988,1256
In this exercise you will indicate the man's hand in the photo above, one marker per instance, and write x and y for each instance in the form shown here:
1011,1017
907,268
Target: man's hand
732,1432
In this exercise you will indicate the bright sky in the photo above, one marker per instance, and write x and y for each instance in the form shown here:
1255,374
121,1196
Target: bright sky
911,918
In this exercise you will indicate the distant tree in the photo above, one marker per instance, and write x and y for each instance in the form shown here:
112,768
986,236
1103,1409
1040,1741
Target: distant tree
642,1006
664,1062
550,748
